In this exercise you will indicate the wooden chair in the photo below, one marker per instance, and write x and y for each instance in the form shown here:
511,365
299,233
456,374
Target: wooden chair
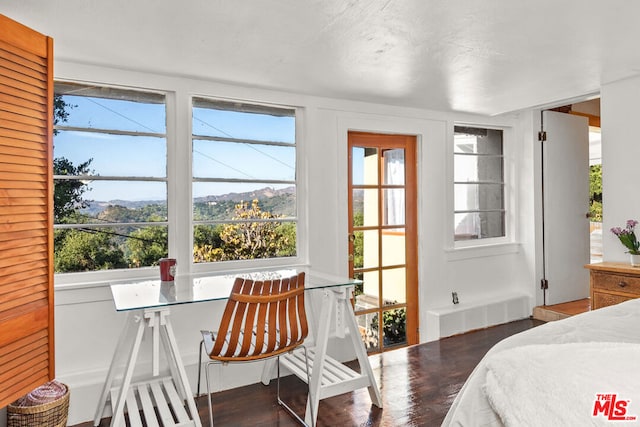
262,319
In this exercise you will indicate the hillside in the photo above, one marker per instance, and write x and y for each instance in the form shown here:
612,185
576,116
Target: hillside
278,202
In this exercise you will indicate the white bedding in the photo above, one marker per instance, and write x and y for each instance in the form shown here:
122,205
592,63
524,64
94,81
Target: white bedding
508,368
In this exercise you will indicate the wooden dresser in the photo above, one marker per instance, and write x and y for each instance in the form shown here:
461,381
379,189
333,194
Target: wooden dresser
613,283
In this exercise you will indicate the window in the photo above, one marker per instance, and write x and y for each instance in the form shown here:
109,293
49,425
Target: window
110,177
244,181
479,206
394,203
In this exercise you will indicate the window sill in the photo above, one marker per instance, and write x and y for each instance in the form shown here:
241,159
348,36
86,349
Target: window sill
91,279
480,251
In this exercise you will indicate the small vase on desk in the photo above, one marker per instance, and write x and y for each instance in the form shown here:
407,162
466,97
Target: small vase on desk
635,260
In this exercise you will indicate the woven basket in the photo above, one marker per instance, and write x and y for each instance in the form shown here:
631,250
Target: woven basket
50,414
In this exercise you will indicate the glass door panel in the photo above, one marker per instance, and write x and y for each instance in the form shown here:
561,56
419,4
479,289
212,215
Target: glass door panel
365,204
393,252
364,170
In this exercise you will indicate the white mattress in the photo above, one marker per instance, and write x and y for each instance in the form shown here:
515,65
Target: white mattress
615,324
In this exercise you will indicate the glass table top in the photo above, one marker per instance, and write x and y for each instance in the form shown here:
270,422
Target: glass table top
186,289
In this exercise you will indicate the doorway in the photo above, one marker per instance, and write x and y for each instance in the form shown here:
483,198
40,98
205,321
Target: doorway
572,197
383,250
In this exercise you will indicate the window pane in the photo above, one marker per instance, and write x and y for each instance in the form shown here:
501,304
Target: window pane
364,166
394,205
243,121
114,155
103,248
369,298
365,249
365,207
109,202
111,108
220,200
393,166
222,159
359,288
477,140
478,196
470,168
395,286
478,183
394,327
239,150
100,131
368,326
393,249
479,225
244,241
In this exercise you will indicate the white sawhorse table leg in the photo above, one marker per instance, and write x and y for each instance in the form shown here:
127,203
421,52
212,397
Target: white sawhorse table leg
328,376
170,393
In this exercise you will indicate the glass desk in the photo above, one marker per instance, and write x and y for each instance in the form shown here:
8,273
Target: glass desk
150,300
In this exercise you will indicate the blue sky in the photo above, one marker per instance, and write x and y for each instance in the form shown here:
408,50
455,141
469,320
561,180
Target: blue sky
145,156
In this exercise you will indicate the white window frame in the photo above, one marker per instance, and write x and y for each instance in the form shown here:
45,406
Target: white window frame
89,278
179,178
462,249
299,219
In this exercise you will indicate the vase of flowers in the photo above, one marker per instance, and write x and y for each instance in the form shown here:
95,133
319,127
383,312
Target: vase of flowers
628,238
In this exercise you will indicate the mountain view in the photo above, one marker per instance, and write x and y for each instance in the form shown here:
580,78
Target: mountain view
280,202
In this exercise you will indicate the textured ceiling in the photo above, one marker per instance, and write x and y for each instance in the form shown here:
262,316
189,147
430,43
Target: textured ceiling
488,57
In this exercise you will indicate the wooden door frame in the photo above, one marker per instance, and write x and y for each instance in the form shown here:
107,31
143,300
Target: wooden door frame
409,144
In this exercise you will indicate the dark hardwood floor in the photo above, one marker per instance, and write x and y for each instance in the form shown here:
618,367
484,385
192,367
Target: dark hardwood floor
418,385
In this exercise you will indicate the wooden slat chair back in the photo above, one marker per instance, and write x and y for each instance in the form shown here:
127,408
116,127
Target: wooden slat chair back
261,319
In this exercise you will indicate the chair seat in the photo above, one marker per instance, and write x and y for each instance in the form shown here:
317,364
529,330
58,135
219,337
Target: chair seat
209,338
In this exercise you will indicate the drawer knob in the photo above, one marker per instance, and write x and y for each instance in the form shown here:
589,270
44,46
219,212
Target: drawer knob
622,284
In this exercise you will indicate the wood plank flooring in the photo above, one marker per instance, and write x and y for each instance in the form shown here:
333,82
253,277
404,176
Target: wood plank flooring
560,311
418,385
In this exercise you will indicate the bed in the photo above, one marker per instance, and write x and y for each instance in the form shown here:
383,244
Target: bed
579,371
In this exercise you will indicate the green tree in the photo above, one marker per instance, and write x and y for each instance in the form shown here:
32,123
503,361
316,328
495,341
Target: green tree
67,195
246,240
207,235
595,192
287,236
87,250
147,245
60,111
358,248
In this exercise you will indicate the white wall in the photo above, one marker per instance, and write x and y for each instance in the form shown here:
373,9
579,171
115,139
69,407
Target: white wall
87,327
620,107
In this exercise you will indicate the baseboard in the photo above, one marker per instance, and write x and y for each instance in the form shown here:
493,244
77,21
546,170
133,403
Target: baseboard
481,313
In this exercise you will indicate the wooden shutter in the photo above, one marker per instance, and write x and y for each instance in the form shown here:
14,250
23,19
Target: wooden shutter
26,218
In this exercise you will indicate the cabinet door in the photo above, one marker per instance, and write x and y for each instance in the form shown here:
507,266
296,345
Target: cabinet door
26,218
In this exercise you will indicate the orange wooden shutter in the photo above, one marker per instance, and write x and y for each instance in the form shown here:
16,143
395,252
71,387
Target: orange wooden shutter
26,218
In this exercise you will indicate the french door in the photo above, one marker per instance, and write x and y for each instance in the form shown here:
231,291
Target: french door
383,238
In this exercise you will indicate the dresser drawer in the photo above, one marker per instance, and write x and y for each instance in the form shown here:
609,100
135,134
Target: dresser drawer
615,282
603,300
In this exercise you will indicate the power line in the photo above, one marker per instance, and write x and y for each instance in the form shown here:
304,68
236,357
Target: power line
224,164
247,145
120,114
113,233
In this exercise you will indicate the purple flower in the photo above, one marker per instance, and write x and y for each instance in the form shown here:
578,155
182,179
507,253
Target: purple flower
627,236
